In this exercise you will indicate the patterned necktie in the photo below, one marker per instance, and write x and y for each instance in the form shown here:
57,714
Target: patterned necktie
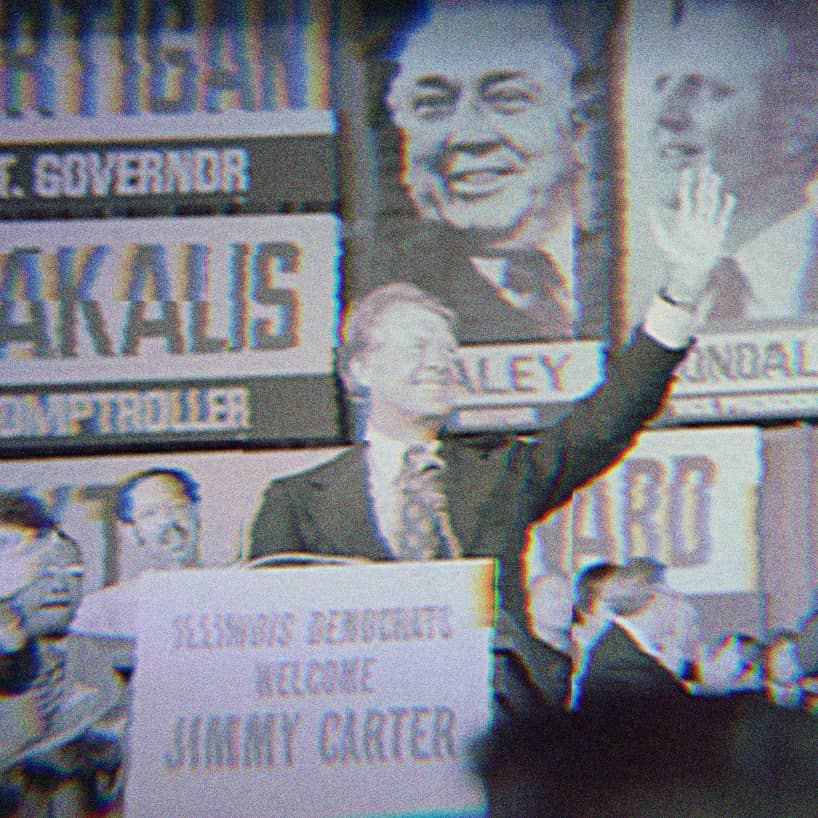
425,528
730,290
533,275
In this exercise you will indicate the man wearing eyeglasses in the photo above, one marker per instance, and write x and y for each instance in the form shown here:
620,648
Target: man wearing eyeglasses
55,758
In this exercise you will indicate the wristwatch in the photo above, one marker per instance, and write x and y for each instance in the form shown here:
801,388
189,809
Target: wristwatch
688,306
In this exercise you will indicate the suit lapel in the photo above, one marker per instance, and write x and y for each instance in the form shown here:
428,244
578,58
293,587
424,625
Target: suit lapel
467,482
339,504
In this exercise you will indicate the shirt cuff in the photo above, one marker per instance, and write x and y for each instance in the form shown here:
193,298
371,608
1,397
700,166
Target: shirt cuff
669,325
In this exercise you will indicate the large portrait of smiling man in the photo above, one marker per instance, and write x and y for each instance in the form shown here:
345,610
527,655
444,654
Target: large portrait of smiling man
492,165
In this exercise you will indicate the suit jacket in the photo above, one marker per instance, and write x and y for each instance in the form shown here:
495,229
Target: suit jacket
617,670
495,488
436,258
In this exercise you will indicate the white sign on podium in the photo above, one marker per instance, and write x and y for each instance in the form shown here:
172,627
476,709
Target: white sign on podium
311,692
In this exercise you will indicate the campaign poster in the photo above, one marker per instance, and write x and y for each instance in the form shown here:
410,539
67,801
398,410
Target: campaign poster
171,59
493,190
689,499
732,85
190,164
131,331
313,692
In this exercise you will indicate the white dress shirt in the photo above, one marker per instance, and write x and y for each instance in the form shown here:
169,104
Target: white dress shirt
775,261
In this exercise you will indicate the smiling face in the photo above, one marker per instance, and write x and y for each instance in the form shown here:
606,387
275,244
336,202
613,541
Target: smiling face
708,87
482,103
408,367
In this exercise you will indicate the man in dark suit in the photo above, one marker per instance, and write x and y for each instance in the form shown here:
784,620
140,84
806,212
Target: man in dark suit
614,661
399,357
474,498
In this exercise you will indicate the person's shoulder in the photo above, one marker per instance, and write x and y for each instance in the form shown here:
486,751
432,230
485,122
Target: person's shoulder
415,236
340,462
408,251
480,447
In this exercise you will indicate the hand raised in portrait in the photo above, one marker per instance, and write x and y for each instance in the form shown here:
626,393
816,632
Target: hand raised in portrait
692,236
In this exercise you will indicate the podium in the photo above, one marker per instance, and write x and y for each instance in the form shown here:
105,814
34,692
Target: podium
316,691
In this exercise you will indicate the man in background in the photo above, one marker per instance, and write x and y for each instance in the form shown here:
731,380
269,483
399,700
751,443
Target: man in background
614,660
158,510
735,85
31,605
483,102
56,687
